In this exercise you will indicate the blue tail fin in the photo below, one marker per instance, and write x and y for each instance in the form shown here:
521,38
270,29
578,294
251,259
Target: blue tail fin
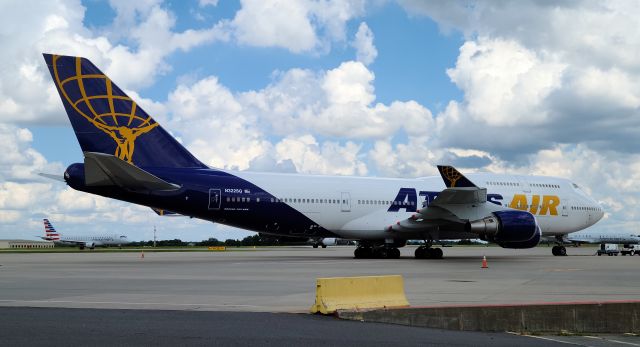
453,178
106,120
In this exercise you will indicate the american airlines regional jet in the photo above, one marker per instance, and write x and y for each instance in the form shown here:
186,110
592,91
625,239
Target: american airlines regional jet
588,236
82,241
128,156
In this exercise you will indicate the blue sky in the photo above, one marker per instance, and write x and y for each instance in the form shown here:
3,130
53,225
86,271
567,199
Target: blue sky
382,88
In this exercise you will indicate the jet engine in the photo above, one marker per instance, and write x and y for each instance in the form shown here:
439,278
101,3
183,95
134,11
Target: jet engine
509,229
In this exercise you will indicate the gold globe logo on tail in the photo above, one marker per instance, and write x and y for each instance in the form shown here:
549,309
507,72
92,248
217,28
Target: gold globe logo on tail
122,124
451,174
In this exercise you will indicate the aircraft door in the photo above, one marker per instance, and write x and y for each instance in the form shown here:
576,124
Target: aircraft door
215,199
345,202
565,207
524,185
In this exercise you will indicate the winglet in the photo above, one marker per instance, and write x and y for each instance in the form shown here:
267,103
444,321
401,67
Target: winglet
453,178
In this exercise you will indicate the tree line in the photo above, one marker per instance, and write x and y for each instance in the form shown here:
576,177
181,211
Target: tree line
254,240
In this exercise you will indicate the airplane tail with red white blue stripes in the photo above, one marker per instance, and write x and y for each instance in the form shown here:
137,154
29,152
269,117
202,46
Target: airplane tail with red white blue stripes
50,233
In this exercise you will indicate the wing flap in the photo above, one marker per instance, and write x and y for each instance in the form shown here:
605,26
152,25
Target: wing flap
460,196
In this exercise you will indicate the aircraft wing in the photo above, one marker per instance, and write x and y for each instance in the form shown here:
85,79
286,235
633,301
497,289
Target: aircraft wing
461,202
166,213
107,170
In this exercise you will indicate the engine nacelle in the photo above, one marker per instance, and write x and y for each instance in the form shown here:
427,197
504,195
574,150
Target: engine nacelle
509,229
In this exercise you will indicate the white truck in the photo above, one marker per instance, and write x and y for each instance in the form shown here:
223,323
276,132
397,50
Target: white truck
609,249
630,250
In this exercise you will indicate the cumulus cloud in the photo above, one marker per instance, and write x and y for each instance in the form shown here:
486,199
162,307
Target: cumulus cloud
504,83
298,26
214,125
327,158
26,92
366,52
539,78
300,101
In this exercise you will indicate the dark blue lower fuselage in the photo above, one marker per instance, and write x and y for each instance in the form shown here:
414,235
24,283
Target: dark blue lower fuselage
203,194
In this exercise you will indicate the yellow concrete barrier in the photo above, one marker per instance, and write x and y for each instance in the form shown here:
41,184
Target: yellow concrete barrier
368,292
217,248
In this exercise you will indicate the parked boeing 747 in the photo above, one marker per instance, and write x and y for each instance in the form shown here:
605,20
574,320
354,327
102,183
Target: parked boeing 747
82,241
128,156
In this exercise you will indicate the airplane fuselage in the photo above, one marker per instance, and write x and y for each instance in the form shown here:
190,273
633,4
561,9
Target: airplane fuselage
347,207
93,240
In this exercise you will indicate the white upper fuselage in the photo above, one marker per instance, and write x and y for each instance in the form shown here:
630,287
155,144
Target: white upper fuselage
94,240
362,207
588,236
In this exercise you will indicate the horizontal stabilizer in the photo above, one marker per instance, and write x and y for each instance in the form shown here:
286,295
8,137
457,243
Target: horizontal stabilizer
453,178
107,170
52,176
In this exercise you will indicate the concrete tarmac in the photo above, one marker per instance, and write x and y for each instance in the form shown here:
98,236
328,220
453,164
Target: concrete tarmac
283,279
24,326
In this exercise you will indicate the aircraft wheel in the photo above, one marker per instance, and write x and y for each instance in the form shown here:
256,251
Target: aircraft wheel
394,253
315,246
420,253
562,251
436,253
381,253
362,252
324,246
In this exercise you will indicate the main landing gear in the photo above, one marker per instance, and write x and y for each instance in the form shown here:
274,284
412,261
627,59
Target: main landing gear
559,249
376,252
426,252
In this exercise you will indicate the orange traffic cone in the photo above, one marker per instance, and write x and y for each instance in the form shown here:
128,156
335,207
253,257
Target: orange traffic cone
142,254
484,262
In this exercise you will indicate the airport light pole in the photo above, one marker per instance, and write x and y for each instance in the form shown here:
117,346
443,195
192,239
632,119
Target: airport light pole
154,236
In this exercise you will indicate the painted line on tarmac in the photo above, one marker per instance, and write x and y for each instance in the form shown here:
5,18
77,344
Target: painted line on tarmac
550,339
303,262
616,341
119,303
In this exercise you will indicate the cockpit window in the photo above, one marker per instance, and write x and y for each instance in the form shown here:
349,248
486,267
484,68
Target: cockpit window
123,237
575,186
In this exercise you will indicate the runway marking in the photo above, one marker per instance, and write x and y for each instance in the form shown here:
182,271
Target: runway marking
302,262
616,341
120,303
564,270
550,339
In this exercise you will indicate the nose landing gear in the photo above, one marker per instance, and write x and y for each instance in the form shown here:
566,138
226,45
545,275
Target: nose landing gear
559,249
